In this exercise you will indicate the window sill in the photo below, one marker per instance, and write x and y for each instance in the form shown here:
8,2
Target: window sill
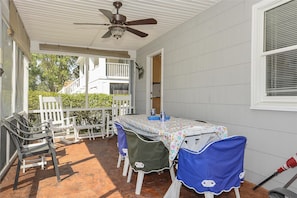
274,106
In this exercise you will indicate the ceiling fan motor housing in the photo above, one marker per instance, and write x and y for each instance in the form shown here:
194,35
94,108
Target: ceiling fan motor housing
118,19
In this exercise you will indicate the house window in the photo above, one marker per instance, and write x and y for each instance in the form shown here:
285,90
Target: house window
274,55
119,88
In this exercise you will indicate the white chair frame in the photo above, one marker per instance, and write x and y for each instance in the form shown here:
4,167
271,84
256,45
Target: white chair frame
121,105
51,111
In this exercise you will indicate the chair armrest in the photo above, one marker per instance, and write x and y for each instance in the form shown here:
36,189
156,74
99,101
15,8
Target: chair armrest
70,120
39,125
42,135
26,123
46,130
14,130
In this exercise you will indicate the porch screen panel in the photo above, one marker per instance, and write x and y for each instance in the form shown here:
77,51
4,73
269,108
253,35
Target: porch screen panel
6,99
19,35
279,33
20,82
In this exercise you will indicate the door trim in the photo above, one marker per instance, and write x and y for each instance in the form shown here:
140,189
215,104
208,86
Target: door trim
149,78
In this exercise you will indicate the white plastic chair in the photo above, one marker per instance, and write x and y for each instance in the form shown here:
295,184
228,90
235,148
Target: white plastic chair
28,130
145,156
216,168
29,150
123,148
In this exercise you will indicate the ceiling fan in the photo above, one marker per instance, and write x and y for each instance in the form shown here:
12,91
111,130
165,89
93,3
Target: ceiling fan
118,24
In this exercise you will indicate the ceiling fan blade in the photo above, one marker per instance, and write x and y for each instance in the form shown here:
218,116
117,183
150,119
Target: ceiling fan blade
137,32
107,13
91,24
142,22
107,34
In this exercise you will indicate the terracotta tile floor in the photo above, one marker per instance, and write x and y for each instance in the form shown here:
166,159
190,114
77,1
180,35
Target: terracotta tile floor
88,169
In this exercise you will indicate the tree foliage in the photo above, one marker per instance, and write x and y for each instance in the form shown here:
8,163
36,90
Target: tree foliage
50,72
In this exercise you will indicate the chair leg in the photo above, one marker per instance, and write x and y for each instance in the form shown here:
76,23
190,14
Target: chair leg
24,165
126,166
237,195
55,162
139,182
90,135
173,190
178,186
42,162
129,174
108,126
119,161
15,185
171,170
76,134
54,138
102,132
208,195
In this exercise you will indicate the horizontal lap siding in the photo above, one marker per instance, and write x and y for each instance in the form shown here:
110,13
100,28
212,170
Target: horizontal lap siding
207,66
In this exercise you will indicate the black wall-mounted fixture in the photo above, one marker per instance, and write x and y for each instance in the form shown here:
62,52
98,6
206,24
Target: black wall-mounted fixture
1,72
140,71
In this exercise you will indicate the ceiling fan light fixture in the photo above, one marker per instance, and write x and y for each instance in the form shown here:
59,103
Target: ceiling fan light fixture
117,32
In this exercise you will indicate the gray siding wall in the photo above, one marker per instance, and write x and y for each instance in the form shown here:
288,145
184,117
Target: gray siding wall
207,76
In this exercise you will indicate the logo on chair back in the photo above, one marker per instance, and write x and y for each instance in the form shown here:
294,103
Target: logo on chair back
208,183
139,165
241,175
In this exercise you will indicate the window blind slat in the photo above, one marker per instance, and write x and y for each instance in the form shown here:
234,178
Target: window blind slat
280,22
281,73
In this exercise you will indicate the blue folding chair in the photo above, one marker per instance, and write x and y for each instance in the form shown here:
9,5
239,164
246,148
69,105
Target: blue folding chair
216,168
122,147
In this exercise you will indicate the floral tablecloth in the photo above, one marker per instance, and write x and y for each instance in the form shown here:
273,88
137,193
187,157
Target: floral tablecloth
171,132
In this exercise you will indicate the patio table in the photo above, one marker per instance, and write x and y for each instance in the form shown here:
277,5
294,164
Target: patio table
171,132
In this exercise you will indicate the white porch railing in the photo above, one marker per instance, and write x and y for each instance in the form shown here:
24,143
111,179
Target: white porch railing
117,70
72,87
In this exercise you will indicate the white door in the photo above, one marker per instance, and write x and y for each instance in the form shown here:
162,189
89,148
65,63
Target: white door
155,81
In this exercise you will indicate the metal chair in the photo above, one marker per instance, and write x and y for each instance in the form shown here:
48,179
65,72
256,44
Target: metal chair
216,168
28,150
123,148
145,156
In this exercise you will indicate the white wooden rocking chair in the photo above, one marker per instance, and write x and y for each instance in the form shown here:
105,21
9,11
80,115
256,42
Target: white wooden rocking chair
121,105
62,128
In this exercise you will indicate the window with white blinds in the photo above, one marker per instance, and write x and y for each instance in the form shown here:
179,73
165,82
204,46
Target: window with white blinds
274,55
280,31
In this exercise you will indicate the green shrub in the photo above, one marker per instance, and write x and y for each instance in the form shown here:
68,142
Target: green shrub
71,100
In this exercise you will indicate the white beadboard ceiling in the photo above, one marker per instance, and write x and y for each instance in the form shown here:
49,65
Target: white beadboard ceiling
51,21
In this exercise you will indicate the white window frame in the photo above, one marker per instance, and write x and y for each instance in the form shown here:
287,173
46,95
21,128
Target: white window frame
259,100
